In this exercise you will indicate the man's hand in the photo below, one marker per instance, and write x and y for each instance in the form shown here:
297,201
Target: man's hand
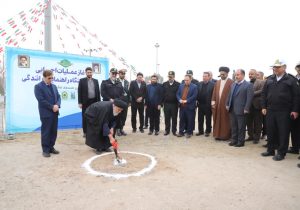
55,108
80,106
246,112
294,115
264,111
111,131
159,107
227,108
112,100
213,104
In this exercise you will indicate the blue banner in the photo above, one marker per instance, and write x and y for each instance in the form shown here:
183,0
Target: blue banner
24,69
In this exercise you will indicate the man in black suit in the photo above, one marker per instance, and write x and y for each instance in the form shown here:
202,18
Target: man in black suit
49,104
88,93
170,103
125,97
205,90
137,90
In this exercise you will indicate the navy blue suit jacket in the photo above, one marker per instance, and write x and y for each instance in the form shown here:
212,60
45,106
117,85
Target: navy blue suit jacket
44,96
191,97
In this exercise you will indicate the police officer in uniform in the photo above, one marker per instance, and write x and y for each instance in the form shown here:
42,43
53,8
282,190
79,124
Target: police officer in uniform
170,103
125,97
112,89
280,104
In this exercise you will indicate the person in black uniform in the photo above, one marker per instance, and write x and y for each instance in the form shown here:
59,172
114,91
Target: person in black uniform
112,89
137,90
205,90
88,93
125,97
295,127
280,104
170,103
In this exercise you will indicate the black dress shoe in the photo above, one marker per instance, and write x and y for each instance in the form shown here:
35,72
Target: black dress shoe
180,135
174,133
123,133
298,165
206,134
293,151
266,154
166,133
107,150
98,151
199,133
134,130
249,139
188,136
278,157
119,132
156,133
150,133
255,141
239,145
265,145
299,157
232,143
46,154
54,151
142,130
145,127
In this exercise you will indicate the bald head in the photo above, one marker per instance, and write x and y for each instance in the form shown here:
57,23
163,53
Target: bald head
252,74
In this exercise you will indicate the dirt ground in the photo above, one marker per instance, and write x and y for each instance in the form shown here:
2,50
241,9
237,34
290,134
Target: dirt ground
198,173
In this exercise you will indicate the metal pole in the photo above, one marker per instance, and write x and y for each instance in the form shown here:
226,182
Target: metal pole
156,46
48,35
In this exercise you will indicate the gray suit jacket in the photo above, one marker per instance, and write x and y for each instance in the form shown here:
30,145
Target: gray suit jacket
242,98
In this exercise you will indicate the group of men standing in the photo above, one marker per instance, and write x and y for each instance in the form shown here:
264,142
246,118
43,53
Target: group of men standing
235,106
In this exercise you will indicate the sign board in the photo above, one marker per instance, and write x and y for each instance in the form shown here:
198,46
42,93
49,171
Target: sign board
24,69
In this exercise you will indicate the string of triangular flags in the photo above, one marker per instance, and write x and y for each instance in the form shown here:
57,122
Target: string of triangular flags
17,30
85,41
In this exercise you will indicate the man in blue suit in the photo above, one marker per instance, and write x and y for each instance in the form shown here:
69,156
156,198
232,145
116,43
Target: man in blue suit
154,99
186,96
238,104
49,103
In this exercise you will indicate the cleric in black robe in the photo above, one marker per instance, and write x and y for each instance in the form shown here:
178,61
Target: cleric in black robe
101,119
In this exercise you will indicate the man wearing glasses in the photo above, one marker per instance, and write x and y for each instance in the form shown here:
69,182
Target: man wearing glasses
49,104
